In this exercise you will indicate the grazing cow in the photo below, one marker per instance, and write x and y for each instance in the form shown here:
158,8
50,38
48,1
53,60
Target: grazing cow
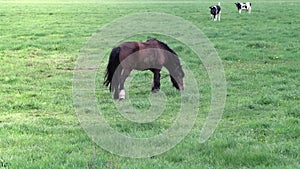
215,12
243,6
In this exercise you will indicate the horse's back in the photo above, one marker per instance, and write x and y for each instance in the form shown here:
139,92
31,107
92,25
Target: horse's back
141,55
127,48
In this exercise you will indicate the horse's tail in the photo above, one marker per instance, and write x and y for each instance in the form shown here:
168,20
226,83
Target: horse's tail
113,64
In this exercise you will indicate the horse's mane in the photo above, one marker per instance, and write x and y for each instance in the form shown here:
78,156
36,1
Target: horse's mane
175,56
166,47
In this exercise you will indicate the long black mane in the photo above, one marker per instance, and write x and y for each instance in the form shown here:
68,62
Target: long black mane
167,47
175,57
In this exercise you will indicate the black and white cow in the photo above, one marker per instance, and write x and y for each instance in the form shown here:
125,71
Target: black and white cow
215,12
243,6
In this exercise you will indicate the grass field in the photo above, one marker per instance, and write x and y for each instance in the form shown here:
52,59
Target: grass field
39,45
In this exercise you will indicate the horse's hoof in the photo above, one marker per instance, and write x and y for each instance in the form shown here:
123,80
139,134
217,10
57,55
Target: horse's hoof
155,90
122,95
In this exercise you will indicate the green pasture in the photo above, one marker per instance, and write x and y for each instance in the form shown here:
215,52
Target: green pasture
39,46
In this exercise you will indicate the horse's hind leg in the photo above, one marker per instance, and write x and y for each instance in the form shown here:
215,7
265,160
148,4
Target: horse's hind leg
124,75
116,82
156,80
116,95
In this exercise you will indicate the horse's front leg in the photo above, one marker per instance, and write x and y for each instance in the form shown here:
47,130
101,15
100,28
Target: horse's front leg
124,75
156,80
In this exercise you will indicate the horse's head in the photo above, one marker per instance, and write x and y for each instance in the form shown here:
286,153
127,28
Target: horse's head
177,77
180,81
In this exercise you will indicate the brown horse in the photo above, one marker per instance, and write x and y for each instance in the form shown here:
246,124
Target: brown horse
150,55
